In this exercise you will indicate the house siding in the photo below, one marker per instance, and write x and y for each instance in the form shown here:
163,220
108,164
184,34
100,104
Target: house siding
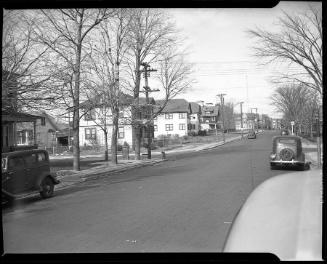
100,138
161,123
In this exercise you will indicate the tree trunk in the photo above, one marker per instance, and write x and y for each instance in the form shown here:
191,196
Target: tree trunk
115,114
136,113
106,158
76,150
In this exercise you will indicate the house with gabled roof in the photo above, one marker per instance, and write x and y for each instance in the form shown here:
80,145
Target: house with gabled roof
209,119
49,133
94,120
174,119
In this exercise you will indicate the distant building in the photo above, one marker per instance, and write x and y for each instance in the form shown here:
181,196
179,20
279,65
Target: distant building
195,115
209,117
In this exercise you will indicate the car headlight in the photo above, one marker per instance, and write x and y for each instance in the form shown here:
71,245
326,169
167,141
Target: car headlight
272,155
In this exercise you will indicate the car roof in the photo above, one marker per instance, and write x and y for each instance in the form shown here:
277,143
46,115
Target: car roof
286,137
22,152
273,219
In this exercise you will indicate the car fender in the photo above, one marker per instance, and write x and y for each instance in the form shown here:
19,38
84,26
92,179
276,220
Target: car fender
43,176
275,220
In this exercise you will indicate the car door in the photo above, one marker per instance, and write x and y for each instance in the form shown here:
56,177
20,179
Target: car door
15,180
32,170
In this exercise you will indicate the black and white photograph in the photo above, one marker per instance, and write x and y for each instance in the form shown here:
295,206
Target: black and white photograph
163,130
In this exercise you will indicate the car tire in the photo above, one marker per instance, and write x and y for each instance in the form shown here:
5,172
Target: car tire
47,188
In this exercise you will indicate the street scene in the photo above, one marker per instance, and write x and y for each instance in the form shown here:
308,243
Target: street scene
140,130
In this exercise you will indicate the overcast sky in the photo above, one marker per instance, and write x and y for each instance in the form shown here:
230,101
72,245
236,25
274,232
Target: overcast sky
221,52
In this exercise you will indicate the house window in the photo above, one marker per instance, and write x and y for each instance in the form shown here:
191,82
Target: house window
169,127
213,118
155,128
181,126
168,116
207,112
181,115
192,126
90,115
90,133
121,133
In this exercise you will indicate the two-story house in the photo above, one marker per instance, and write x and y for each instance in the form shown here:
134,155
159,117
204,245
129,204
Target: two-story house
174,118
98,117
209,119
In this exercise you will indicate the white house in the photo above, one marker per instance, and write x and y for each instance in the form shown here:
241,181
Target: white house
174,118
95,120
98,117
195,115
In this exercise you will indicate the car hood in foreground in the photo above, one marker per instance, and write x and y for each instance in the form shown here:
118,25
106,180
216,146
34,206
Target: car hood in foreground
282,216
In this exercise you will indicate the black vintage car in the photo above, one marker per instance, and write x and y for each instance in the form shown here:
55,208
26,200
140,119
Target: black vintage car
287,152
26,172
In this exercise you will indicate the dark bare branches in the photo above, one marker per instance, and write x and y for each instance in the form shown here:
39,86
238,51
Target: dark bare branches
299,42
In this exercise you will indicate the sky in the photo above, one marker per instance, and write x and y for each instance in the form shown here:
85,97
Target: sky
221,52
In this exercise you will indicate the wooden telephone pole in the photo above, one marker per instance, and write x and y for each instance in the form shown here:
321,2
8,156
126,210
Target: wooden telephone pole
222,113
146,73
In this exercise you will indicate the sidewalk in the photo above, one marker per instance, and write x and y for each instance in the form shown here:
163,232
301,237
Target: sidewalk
70,177
310,150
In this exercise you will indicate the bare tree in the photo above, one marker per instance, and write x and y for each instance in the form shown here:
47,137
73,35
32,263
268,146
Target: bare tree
64,32
150,33
174,73
299,43
297,103
23,64
106,59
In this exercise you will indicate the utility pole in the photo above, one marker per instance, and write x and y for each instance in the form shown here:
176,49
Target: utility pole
222,113
146,73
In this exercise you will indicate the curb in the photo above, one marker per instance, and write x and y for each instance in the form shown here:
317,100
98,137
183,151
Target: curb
87,176
93,175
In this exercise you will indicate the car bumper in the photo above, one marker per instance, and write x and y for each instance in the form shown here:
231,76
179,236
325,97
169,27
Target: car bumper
286,162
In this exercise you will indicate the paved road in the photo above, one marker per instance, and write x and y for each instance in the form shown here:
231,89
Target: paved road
185,204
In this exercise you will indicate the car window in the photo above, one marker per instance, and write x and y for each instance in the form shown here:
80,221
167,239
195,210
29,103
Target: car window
31,159
41,156
287,141
4,164
15,163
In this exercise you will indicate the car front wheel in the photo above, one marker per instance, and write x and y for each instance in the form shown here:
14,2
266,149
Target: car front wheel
47,188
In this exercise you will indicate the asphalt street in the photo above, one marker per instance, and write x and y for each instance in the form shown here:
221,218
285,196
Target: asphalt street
185,204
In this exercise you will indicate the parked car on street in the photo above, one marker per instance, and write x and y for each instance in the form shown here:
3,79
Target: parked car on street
276,220
286,152
26,172
252,134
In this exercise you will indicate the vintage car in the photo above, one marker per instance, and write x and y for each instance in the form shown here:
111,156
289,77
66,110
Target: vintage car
252,134
282,221
287,152
26,172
